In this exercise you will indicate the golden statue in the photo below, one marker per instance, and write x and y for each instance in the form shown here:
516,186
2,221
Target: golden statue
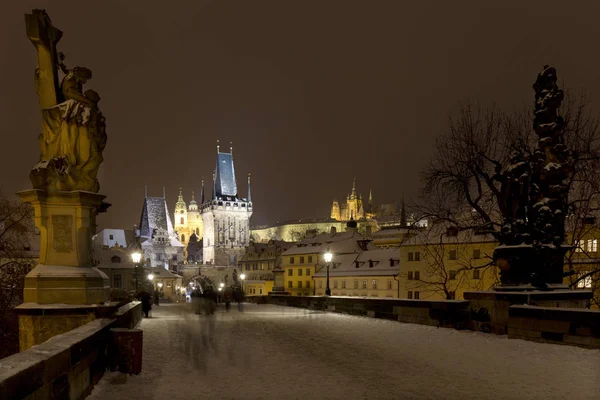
73,130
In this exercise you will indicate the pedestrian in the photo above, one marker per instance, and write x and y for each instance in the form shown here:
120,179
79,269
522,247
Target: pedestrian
156,297
145,298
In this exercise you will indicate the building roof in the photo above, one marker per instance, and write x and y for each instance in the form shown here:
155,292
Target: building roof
115,258
225,176
337,243
367,263
155,214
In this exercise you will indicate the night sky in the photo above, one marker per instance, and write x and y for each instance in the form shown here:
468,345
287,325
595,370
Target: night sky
311,93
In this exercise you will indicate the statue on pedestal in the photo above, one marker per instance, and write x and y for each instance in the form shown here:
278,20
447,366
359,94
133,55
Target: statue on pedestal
73,132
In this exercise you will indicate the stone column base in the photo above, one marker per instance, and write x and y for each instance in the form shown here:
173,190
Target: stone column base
489,308
38,322
55,284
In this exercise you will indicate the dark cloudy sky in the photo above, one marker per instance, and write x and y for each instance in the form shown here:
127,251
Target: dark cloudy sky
311,93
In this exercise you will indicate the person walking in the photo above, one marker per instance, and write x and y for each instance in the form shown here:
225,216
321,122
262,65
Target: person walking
145,298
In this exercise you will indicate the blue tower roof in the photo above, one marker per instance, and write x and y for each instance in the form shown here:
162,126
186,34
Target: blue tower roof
225,179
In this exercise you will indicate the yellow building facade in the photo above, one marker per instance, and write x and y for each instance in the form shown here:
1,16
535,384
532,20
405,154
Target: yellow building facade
187,219
257,265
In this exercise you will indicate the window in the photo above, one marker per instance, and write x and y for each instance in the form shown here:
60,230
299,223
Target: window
417,275
291,260
592,245
410,256
111,237
370,263
307,271
181,221
290,284
452,295
307,284
182,237
475,274
343,284
260,291
299,284
309,259
452,275
389,284
299,271
335,284
580,244
410,294
117,280
364,284
301,260
374,283
585,283
410,275
476,254
355,284
417,256
417,295
290,272
115,259
452,255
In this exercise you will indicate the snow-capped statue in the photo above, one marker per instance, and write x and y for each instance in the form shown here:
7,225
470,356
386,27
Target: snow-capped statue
73,132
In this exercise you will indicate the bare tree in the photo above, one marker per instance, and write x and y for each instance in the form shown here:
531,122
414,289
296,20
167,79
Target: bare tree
16,229
464,180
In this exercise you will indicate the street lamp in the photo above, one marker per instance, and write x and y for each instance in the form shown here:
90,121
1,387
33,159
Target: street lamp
136,256
150,277
328,257
242,277
221,285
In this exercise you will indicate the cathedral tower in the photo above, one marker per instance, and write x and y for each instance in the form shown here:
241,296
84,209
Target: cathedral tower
226,217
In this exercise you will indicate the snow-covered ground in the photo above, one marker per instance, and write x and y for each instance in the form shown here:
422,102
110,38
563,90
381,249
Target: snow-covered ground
270,352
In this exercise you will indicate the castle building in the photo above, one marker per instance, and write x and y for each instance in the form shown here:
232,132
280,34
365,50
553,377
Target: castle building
188,220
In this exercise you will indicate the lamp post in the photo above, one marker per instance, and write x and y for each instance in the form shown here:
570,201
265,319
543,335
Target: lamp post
242,277
328,257
136,256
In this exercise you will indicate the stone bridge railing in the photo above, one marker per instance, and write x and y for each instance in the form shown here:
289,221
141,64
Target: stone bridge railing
572,326
67,366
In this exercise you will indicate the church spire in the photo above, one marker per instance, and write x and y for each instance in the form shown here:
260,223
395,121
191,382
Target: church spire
202,193
217,146
403,222
249,192
214,192
370,197
353,195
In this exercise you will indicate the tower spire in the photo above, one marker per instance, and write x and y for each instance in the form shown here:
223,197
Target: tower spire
180,194
231,148
403,214
249,192
214,192
202,192
353,195
164,193
217,145
145,191
193,196
370,197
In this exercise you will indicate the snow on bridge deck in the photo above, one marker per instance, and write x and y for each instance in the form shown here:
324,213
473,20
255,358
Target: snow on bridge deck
286,353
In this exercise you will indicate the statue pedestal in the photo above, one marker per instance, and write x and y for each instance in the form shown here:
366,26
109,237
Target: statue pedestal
65,274
278,282
489,308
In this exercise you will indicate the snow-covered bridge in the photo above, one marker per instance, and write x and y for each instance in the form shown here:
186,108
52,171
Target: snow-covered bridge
268,351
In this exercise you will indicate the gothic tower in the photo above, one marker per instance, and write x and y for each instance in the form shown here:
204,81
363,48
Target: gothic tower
226,217
194,218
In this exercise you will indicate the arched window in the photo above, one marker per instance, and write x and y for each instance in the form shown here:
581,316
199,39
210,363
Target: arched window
182,237
181,221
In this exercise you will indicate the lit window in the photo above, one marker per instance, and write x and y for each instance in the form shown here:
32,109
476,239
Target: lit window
374,283
579,245
181,221
592,245
364,284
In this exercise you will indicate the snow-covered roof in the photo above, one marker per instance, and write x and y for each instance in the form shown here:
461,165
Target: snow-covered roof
155,214
369,263
337,243
445,235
